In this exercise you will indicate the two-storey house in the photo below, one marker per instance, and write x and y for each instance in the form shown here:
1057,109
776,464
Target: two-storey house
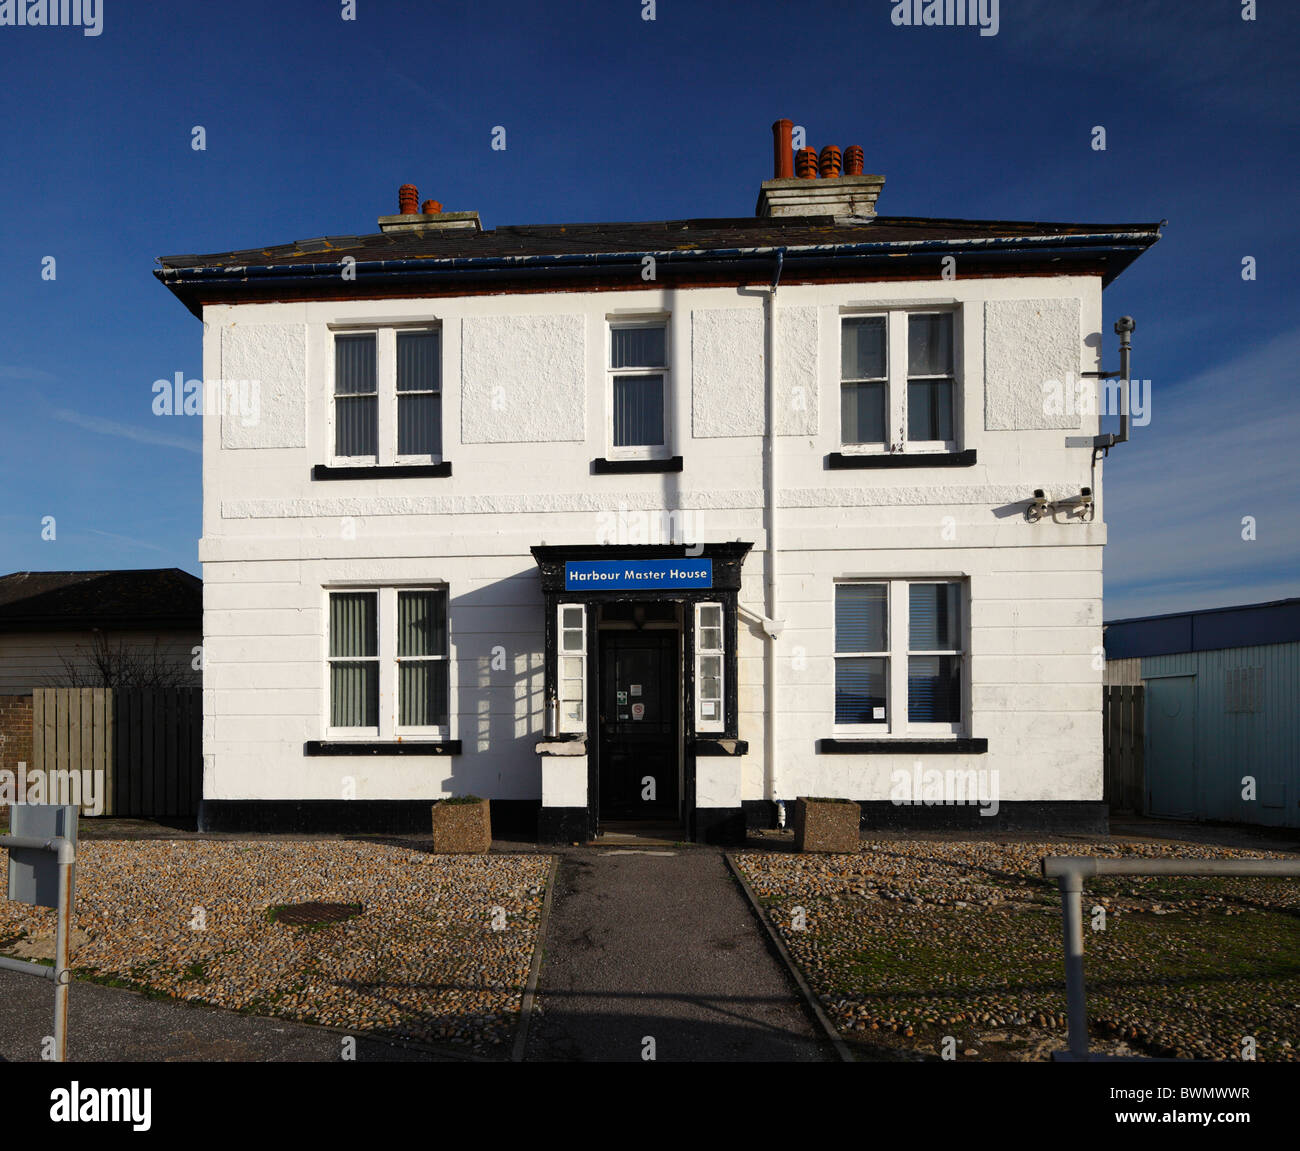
663,521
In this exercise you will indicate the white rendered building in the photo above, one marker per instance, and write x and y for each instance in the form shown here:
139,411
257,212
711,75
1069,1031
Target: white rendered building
670,520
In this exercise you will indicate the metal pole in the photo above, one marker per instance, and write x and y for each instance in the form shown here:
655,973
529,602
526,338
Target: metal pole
62,972
1072,924
1124,327
1085,866
771,697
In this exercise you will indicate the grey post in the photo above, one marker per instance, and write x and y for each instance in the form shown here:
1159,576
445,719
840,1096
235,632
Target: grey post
35,878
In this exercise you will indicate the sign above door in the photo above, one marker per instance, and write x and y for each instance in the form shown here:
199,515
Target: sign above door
631,575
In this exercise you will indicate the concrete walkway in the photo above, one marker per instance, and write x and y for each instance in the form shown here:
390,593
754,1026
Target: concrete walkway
659,942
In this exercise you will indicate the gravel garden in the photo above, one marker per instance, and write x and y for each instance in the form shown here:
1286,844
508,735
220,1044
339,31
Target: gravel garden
392,941
911,941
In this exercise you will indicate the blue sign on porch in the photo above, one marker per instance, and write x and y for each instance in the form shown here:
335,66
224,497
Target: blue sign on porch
633,575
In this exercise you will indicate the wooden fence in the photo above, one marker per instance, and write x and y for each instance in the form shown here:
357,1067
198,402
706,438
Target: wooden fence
72,734
1124,728
144,746
158,751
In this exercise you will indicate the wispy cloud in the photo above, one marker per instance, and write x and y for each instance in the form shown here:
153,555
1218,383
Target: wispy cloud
1220,448
126,431
129,540
23,372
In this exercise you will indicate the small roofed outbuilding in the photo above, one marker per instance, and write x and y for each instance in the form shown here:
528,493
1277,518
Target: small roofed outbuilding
1219,688
131,628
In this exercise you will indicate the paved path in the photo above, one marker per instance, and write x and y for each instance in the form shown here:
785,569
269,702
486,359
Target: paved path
661,942
112,1024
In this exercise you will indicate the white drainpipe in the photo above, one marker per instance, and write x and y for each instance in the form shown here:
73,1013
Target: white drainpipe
771,627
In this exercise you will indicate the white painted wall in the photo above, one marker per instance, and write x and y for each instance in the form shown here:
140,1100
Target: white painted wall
521,444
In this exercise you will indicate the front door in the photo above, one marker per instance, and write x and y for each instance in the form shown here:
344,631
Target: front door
639,689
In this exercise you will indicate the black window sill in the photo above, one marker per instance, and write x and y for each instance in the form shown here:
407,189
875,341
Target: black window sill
347,747
902,746
387,472
720,745
839,460
604,467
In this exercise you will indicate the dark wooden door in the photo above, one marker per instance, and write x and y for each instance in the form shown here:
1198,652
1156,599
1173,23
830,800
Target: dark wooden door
639,693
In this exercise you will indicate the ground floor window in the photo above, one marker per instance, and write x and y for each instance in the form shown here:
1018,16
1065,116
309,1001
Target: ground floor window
572,629
899,656
709,667
389,668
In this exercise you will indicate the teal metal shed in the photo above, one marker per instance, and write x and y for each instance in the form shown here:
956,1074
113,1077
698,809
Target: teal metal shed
1222,705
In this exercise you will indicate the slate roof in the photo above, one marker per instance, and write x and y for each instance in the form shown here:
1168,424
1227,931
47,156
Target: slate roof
655,236
145,599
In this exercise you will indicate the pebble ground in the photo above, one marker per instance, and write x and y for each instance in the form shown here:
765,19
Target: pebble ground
440,953
909,942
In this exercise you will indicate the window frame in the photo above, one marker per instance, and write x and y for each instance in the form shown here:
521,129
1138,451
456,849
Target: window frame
897,380
408,457
719,722
434,731
886,653
950,728
359,733
564,725
387,403
867,447
897,654
389,729
355,461
661,451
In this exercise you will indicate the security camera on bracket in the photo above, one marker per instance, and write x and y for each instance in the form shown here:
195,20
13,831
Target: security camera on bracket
1041,506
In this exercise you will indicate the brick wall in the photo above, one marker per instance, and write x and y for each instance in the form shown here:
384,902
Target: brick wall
15,732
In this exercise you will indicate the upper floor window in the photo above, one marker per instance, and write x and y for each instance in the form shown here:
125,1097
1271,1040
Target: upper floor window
900,656
388,396
638,389
898,382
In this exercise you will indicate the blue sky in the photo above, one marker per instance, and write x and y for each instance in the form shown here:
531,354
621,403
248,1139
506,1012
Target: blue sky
313,121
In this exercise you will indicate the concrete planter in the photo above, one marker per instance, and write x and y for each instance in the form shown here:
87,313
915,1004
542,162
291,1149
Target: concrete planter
462,828
826,825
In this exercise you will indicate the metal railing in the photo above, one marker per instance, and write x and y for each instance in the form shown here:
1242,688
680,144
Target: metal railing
1071,870
61,972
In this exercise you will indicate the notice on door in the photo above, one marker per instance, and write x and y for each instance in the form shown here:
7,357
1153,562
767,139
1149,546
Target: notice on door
634,688
638,711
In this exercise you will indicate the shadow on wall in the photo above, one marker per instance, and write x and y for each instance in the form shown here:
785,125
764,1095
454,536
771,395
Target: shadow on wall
497,639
